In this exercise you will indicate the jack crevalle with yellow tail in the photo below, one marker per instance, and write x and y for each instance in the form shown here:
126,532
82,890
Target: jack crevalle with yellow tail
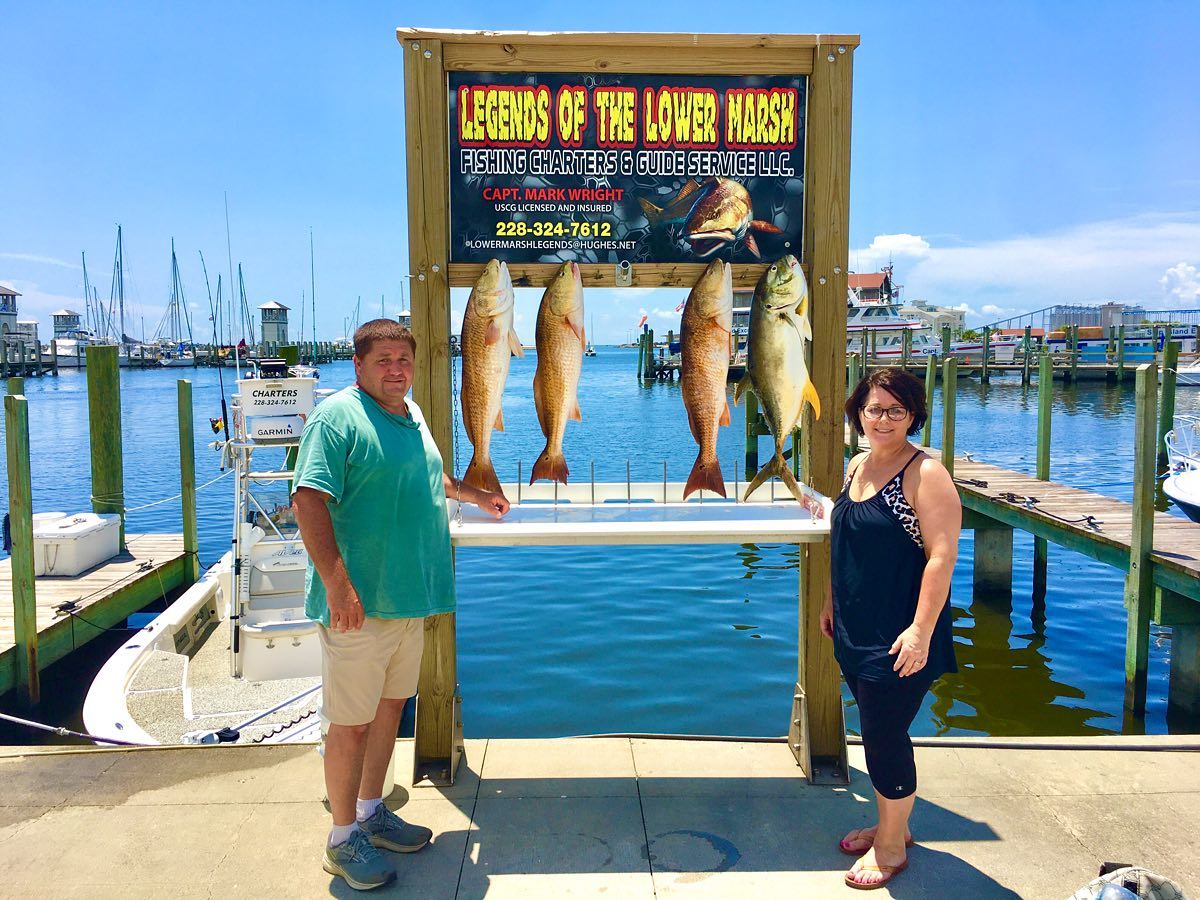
704,366
488,342
776,368
560,340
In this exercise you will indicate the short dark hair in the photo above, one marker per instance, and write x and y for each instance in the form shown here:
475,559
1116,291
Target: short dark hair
380,330
905,387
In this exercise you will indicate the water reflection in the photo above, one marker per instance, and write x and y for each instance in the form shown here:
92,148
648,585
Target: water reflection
1005,684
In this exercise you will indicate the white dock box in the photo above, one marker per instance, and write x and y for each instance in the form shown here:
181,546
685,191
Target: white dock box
73,544
276,396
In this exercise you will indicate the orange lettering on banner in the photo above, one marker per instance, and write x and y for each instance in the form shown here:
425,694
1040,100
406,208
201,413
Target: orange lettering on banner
503,115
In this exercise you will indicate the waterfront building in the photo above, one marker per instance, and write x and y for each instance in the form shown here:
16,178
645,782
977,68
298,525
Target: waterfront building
8,314
874,287
274,322
27,331
404,317
935,318
67,324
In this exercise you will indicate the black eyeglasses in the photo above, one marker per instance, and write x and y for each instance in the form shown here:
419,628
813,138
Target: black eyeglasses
895,413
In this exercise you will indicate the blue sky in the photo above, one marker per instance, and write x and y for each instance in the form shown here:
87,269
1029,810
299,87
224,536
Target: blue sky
1006,156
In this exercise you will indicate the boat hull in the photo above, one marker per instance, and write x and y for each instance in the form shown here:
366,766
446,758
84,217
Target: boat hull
1184,490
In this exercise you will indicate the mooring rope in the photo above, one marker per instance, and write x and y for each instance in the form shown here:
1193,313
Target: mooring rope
67,732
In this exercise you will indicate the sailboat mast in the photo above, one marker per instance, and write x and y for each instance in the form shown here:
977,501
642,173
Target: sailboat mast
87,296
121,284
312,280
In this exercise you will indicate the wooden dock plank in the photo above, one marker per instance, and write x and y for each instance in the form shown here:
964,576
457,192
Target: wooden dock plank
151,566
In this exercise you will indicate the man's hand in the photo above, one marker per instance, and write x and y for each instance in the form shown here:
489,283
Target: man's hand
495,505
345,609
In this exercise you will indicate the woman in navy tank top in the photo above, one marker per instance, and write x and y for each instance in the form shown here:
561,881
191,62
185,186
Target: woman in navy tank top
894,543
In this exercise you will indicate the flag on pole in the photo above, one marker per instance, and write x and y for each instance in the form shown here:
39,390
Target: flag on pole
642,320
682,304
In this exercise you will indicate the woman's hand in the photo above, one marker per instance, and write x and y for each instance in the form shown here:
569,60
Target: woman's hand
911,650
495,505
827,618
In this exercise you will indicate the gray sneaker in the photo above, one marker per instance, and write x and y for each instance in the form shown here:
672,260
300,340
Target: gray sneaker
387,830
358,862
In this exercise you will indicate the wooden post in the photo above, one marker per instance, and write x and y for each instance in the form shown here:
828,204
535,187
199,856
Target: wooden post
1045,406
930,382
54,356
104,422
993,562
1073,337
1139,587
987,350
1166,415
439,728
949,397
855,367
1025,361
817,728
905,348
23,357
20,512
16,386
874,348
945,341
1120,353
641,351
187,483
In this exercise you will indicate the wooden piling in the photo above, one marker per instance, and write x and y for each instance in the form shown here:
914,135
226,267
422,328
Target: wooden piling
930,382
1073,343
104,424
187,483
874,348
945,341
905,348
1028,350
1045,408
641,351
1166,414
16,386
1121,353
1139,586
20,512
751,401
855,371
987,352
54,357
949,396
23,357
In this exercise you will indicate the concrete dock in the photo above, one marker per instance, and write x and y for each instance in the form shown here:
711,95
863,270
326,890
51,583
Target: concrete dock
613,817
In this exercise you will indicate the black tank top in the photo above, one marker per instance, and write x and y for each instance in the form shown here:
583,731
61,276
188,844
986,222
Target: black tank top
878,561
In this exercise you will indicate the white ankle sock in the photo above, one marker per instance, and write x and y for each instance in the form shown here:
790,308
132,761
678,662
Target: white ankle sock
339,834
364,809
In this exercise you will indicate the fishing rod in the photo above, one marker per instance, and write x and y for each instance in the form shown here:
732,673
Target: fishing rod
216,341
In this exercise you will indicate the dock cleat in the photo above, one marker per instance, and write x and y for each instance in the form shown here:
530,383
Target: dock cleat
357,861
388,831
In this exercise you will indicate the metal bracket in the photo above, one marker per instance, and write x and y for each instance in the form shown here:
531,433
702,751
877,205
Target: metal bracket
441,771
829,770
624,273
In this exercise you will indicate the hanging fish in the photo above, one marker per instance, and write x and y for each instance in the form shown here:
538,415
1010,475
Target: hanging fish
704,366
488,342
715,213
776,368
560,340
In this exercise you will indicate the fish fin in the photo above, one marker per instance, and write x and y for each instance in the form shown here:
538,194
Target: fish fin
576,412
741,387
801,493
724,420
481,474
514,343
770,470
752,245
765,227
688,189
577,328
805,328
550,467
653,213
492,335
706,476
814,400
499,426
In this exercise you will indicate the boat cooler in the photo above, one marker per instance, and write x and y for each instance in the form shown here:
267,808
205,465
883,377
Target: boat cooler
65,545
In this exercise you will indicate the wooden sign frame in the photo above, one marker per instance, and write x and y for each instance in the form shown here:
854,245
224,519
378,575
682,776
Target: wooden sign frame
816,730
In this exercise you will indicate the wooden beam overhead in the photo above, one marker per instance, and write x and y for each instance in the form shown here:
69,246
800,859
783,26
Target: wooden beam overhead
633,39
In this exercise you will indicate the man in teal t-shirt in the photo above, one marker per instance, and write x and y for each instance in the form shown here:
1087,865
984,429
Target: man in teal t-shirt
370,498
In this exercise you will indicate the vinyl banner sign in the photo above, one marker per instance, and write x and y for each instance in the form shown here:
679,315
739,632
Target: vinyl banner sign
551,167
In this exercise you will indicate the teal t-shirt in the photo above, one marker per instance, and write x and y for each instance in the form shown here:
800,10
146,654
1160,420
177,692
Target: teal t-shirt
384,475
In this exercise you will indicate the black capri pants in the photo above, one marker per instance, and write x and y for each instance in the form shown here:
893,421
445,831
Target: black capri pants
886,709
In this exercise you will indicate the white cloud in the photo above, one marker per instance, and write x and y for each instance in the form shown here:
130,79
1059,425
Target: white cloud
886,248
1122,260
42,260
1182,282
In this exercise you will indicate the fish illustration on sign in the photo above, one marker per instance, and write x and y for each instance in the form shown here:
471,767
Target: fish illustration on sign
560,340
705,332
715,213
488,342
776,367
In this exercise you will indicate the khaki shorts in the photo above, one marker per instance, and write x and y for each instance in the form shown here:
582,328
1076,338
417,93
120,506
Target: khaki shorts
359,668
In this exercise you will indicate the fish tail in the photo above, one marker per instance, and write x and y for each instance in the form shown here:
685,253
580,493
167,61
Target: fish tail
773,469
814,399
550,466
653,213
706,476
801,494
481,474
